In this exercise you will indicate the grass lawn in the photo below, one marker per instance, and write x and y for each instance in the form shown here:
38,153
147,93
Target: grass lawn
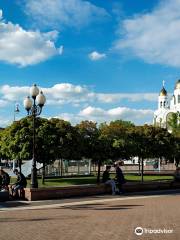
91,180
147,178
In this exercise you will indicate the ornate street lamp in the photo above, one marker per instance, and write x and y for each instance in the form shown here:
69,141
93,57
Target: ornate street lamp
34,108
16,110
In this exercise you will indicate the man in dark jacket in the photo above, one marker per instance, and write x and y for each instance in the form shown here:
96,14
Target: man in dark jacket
120,176
107,180
19,184
5,179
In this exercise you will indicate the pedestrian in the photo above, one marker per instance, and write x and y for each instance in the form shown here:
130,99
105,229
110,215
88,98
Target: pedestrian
120,176
107,180
5,179
20,183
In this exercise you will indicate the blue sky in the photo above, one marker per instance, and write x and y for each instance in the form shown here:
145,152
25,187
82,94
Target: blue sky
98,60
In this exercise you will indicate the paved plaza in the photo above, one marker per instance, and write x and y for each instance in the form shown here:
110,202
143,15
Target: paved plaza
93,218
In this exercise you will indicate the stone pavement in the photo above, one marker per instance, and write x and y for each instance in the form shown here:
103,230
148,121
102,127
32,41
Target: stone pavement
93,218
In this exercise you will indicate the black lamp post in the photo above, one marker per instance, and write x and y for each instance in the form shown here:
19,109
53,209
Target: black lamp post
34,109
16,110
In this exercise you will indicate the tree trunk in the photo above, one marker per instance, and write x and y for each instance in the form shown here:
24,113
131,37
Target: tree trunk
142,170
139,166
61,167
19,163
176,163
99,171
78,170
43,173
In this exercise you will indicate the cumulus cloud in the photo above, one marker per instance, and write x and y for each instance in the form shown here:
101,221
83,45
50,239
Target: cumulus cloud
23,47
61,50
1,13
116,113
71,117
99,115
86,102
95,56
154,36
3,103
4,121
64,93
13,93
58,13
133,97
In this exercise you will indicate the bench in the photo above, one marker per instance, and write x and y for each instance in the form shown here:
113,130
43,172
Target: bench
33,194
20,193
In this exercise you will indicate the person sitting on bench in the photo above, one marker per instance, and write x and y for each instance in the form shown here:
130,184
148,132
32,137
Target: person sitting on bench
19,184
107,180
5,179
120,176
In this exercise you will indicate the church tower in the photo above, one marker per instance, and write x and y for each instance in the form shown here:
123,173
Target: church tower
165,108
175,102
163,99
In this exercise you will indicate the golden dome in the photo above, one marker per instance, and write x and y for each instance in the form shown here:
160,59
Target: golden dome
163,92
177,86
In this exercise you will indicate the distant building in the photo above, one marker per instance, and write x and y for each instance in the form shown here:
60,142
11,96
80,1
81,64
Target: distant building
167,106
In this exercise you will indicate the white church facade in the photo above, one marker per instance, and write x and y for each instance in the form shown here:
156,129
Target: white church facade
167,106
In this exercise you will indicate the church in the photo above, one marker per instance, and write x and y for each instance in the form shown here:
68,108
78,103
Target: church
167,106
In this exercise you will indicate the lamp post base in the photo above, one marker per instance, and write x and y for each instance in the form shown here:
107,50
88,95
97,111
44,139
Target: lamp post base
34,180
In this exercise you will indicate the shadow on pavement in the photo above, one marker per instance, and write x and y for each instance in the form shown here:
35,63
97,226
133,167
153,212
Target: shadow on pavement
100,207
13,204
10,220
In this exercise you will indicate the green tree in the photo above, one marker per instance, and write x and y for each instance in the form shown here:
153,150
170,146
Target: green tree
92,143
16,140
117,134
173,123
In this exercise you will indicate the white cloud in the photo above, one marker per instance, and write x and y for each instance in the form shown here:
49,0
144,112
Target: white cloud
3,103
92,112
58,13
133,97
65,93
22,47
95,56
61,50
154,36
116,113
4,121
1,14
138,116
13,93
73,118
82,99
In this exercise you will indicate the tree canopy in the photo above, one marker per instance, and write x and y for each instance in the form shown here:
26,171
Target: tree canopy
56,138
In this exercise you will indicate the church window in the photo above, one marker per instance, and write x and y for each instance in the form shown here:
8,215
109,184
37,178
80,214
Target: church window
164,104
160,104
